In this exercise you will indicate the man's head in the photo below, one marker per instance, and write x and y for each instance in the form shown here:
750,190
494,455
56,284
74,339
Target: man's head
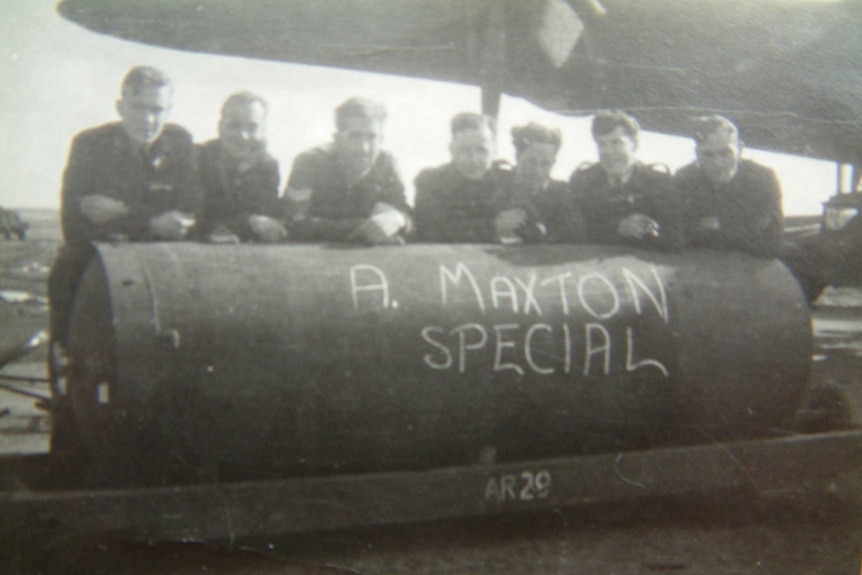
536,148
616,136
242,128
473,145
144,104
359,138
718,147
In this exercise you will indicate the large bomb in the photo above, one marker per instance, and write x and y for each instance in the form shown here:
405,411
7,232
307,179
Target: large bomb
246,362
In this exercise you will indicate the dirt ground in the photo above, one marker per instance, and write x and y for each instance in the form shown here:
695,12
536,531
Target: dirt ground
817,533
24,269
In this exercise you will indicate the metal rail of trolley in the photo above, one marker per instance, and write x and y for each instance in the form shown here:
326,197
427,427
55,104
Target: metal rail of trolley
231,510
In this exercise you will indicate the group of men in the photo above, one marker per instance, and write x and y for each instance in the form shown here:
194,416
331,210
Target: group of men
142,179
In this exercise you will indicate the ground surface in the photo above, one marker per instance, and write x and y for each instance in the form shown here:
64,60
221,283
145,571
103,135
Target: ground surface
780,534
24,269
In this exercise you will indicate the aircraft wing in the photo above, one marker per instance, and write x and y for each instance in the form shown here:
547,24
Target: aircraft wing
787,71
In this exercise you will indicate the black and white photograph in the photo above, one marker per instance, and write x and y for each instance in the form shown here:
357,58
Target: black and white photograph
375,287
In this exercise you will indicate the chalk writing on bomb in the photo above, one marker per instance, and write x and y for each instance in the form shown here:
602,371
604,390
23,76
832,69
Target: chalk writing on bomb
559,323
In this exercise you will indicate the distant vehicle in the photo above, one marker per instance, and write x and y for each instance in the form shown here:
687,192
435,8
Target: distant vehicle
838,212
12,224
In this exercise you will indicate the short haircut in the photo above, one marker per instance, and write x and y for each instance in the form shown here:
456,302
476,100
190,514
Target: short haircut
244,98
361,108
705,126
525,136
606,121
140,78
472,121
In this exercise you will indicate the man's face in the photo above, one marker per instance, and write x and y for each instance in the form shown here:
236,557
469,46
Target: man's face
242,129
534,166
358,144
143,115
718,156
616,152
472,152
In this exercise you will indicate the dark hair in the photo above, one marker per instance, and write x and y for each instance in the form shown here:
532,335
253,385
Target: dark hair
525,136
606,121
705,126
142,77
244,98
358,107
472,121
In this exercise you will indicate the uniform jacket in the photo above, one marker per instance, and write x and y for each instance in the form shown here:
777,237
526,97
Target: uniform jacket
336,209
748,209
452,209
552,214
231,195
149,181
649,191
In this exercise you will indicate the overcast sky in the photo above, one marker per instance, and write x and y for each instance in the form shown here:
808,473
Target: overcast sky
59,79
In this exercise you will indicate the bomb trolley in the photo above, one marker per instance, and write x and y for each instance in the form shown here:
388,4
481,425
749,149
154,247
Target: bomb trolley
234,510
501,380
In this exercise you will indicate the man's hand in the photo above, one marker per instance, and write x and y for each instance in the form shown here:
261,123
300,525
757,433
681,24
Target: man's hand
389,219
172,225
298,202
507,222
267,229
222,235
370,233
709,224
99,209
638,226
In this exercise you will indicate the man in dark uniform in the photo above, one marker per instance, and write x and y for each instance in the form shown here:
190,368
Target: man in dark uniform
731,203
623,201
133,180
536,208
351,190
240,179
456,202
